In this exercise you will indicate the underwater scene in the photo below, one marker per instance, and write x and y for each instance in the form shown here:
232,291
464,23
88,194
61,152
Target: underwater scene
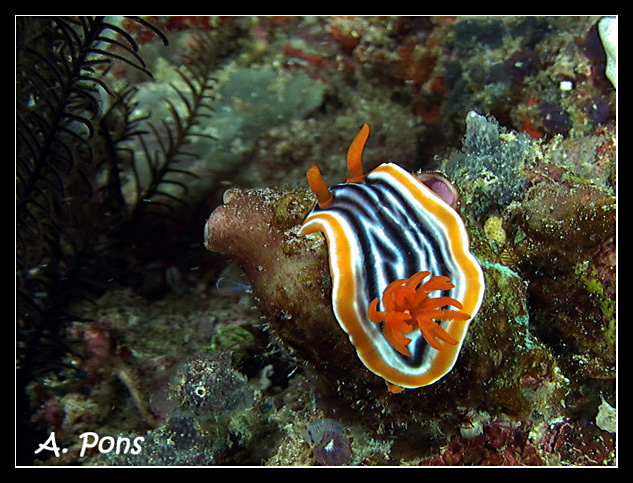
282,241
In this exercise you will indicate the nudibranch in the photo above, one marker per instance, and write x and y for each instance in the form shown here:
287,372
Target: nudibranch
405,286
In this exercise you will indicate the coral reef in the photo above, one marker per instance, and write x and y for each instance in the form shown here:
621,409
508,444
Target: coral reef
510,348
140,345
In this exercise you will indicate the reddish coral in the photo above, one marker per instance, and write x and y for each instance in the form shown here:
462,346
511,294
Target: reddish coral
502,443
313,59
98,341
417,63
345,30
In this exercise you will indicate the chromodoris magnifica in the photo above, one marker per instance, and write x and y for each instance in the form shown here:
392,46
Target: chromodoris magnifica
405,286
